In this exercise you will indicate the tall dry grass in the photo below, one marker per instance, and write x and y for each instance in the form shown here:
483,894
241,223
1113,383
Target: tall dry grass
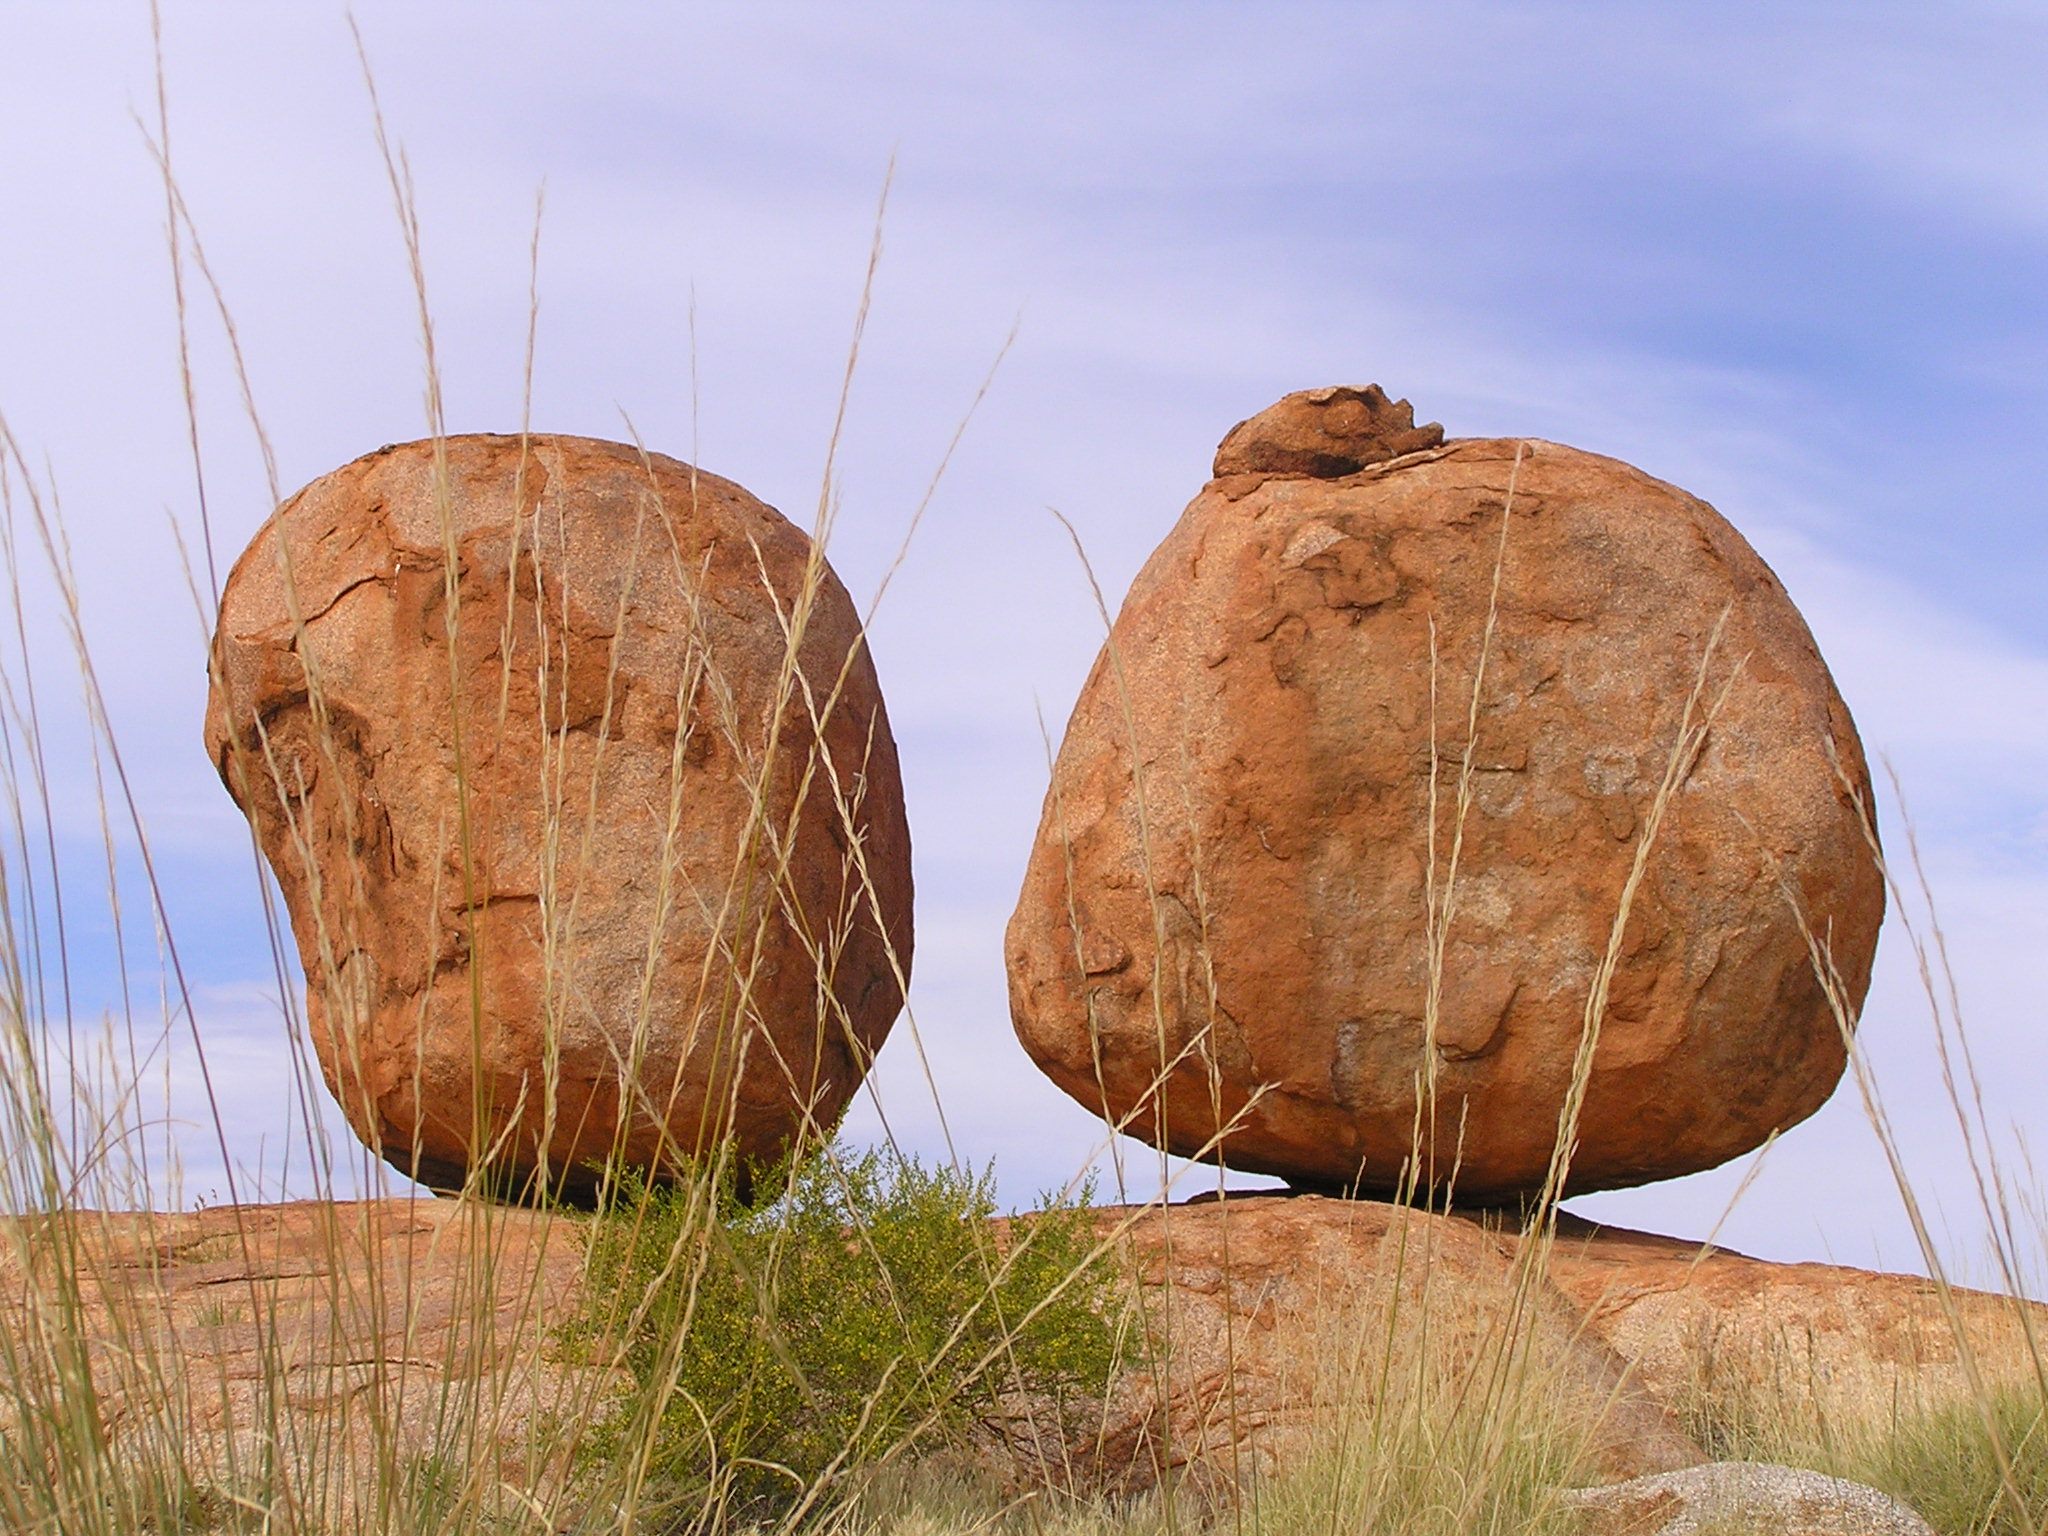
356,1400
359,1396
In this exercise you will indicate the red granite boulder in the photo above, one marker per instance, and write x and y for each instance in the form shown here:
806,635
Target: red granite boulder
1227,915
584,859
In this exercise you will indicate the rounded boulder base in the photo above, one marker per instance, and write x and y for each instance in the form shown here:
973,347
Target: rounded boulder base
1237,939
580,870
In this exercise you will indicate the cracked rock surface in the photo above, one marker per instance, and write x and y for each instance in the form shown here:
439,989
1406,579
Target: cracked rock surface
565,847
1259,800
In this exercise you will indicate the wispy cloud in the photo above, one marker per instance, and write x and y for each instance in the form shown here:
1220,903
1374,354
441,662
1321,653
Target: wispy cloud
1794,264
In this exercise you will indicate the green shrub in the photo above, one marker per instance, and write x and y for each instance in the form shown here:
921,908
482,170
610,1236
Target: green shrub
869,1305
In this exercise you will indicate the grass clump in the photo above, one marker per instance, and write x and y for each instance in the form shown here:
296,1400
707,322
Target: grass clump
870,1306
1970,1467
1973,1461
1945,1463
1432,1474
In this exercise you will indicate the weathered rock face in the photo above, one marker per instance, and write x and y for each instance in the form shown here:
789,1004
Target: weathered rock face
1276,1323
1324,433
576,865
1247,924
307,1339
1734,1345
1272,1323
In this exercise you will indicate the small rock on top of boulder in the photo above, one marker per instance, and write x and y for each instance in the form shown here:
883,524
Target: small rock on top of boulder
1306,856
1325,433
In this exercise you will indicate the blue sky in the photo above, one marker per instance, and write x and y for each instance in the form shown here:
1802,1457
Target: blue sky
1794,258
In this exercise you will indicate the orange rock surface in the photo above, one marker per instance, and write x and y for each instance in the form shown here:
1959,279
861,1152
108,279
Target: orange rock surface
415,1327
567,846
1246,858
1744,1336
285,1352
1268,1321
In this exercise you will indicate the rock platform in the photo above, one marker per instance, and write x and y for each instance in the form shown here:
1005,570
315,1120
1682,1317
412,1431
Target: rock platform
345,1325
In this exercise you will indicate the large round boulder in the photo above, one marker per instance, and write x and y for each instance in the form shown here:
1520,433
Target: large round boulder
1281,892
585,859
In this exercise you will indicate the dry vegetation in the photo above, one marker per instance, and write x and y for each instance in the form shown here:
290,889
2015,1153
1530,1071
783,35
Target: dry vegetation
673,1392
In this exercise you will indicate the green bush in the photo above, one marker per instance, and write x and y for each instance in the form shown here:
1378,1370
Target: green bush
869,1305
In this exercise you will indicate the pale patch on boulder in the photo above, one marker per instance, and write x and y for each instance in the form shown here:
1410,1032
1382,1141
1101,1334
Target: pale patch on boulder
1753,1498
